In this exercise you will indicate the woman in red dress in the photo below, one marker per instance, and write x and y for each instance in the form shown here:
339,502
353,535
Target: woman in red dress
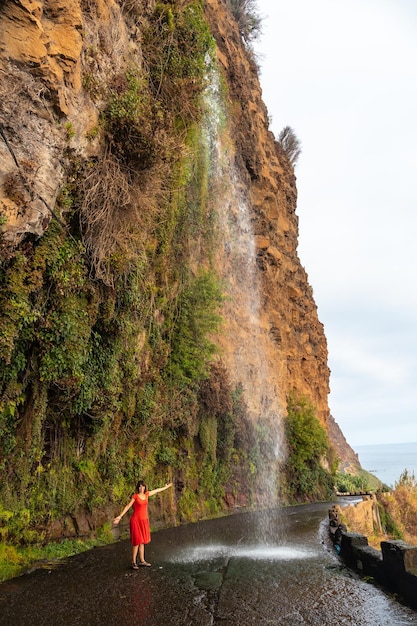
140,532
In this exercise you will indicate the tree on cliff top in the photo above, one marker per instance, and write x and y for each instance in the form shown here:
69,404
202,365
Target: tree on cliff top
289,144
247,17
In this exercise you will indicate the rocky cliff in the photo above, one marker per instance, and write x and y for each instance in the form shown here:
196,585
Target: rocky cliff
112,204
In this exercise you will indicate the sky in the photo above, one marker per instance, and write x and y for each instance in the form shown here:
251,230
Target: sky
343,75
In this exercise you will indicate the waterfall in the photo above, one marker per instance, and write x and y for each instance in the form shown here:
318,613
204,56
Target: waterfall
247,346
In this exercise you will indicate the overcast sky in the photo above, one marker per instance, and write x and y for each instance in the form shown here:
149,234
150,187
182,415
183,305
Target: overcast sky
343,75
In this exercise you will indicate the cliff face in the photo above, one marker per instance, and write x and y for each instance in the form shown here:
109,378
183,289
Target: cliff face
295,347
40,51
59,63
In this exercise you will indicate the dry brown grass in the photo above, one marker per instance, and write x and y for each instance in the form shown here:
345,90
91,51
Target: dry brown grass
136,9
400,507
18,86
401,504
115,213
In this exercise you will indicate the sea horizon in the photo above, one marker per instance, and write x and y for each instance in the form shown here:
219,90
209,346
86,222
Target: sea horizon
387,461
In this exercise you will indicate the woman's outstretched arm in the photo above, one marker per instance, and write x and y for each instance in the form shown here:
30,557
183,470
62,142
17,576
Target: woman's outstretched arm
154,491
125,510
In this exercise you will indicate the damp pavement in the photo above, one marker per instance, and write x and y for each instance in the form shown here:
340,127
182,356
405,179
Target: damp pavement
245,569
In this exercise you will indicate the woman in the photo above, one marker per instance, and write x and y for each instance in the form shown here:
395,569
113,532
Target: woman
140,532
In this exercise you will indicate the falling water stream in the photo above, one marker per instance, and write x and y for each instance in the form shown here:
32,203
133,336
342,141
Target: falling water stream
237,258
245,341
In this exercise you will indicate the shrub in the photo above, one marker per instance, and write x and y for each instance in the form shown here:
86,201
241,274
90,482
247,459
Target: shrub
307,445
389,525
359,482
195,319
178,47
131,120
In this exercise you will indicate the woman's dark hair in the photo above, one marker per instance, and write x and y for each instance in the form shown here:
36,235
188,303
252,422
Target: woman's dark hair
141,483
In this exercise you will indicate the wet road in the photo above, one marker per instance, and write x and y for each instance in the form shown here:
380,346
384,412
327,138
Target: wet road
212,573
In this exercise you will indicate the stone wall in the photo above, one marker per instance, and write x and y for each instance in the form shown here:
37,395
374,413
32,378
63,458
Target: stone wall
394,566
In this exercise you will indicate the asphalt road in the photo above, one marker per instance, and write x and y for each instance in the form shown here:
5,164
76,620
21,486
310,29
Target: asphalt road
246,569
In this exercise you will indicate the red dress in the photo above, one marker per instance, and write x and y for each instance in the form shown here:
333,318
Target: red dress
140,531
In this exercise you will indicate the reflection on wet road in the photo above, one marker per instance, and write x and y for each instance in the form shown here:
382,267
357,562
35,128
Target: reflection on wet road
213,573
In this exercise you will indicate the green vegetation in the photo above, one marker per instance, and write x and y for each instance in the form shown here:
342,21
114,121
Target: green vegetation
69,131
106,325
388,523
130,120
360,482
14,560
308,448
196,320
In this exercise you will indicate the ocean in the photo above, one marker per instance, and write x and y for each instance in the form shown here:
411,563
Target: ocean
388,461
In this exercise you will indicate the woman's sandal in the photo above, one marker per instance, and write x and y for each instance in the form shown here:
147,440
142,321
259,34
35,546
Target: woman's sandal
134,566
145,564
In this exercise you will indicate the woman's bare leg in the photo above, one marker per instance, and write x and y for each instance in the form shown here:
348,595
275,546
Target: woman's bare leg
134,553
142,554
